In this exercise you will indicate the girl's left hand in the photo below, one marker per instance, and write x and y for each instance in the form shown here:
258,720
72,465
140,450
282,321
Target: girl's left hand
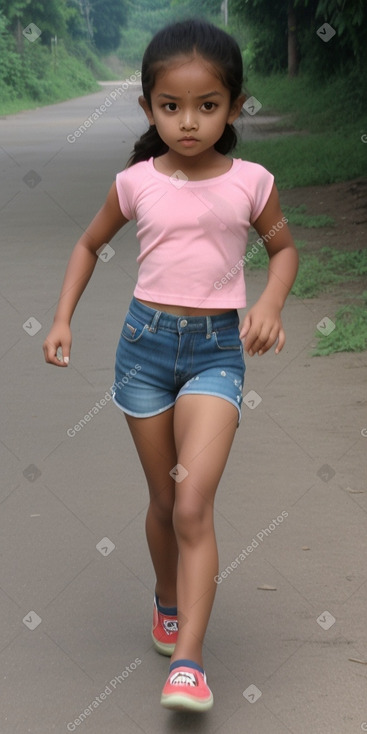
261,328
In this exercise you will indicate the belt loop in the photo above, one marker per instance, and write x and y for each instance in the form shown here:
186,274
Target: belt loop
154,323
209,328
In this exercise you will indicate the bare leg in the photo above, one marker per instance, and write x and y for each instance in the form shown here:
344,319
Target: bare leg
154,441
204,428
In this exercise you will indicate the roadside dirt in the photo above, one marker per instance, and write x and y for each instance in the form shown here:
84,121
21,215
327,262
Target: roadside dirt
346,203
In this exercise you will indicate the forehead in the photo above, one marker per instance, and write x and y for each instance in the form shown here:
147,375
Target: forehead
188,75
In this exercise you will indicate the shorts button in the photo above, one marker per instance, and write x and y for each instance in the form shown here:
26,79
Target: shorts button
183,322
223,373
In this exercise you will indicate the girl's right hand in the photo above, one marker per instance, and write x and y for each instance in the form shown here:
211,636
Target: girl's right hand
59,337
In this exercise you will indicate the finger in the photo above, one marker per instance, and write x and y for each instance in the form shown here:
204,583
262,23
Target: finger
250,332
245,326
281,341
251,343
50,352
272,338
258,340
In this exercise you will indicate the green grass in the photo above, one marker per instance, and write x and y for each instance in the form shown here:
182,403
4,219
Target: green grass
314,277
327,122
298,215
349,334
311,105
309,160
319,273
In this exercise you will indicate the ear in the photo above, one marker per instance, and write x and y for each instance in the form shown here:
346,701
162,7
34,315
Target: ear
236,108
145,106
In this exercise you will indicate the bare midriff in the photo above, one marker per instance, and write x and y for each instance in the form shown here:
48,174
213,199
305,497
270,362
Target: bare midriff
184,310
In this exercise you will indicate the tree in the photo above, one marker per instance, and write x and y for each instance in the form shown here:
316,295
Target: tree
284,34
292,40
107,18
100,20
51,16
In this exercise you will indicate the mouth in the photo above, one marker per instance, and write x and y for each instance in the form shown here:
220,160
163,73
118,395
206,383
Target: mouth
188,142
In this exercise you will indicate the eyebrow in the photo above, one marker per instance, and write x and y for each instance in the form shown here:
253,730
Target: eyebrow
201,96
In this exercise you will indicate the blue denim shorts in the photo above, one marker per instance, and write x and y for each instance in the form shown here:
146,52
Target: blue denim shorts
161,356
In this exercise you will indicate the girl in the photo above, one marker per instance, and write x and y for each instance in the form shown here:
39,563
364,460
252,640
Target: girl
180,358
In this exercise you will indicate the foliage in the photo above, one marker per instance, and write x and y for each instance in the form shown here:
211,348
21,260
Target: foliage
268,25
98,20
146,17
133,44
184,8
319,273
298,215
313,105
51,16
308,160
39,70
33,78
350,333
328,147
108,18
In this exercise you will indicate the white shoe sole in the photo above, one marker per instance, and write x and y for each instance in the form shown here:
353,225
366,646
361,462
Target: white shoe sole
180,702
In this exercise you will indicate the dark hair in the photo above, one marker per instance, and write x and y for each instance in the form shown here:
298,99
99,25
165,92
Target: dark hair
186,37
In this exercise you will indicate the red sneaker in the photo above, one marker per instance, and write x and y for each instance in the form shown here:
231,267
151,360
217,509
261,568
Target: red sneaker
164,631
186,688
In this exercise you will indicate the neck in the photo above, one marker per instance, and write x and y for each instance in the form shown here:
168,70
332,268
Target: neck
209,159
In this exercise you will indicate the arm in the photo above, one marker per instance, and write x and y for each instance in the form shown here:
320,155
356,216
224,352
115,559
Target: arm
80,267
262,326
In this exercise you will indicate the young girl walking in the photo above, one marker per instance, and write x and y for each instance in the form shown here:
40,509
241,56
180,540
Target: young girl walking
180,359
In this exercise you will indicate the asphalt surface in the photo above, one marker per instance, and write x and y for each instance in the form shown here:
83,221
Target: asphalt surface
77,583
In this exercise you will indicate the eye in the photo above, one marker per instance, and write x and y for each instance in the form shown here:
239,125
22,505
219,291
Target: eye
209,106
170,106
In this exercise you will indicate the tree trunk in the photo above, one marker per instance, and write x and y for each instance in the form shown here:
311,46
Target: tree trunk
292,41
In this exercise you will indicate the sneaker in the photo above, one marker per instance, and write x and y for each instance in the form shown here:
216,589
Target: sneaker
186,688
164,630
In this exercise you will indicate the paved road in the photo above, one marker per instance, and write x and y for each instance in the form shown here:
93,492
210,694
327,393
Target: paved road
76,580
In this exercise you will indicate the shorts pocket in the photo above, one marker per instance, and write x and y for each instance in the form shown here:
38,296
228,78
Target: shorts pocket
132,329
228,339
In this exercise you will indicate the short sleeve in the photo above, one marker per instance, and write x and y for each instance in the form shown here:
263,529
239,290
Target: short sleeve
263,184
125,193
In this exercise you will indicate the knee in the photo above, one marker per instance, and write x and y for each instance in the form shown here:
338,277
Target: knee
162,508
192,520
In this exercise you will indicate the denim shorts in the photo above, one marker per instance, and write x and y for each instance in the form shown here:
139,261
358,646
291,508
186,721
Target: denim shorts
161,356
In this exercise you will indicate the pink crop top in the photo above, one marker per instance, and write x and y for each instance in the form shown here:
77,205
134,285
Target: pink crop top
193,234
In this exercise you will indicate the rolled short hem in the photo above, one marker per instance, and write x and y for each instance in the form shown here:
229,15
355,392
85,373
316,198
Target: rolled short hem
167,407
142,415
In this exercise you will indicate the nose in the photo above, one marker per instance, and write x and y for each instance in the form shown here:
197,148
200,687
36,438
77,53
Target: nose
188,120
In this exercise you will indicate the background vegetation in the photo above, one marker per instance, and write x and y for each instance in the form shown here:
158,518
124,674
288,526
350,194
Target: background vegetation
310,75
61,54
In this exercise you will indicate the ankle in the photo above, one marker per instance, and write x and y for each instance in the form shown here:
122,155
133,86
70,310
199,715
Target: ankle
166,600
195,659
185,663
167,611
